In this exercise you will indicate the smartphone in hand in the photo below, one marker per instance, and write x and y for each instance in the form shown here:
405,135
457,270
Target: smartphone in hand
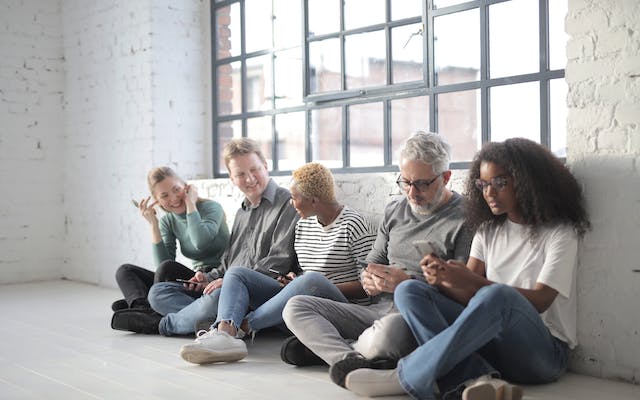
425,247
135,203
185,281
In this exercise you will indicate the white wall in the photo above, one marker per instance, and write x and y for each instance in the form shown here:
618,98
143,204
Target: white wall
603,74
117,87
31,150
137,96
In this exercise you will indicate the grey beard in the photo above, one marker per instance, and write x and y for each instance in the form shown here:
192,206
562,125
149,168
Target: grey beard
428,208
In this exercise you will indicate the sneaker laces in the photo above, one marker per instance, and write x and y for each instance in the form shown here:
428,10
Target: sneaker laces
202,334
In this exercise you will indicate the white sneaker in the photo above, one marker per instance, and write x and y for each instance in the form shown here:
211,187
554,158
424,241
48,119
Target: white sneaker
488,388
374,382
213,346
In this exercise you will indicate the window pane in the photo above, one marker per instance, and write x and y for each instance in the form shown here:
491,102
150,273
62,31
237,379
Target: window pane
366,135
405,9
259,83
225,132
324,16
324,65
513,38
259,129
459,121
558,117
288,72
446,3
326,136
286,23
457,47
228,31
257,25
407,53
290,129
359,13
229,89
365,59
557,36
515,111
407,116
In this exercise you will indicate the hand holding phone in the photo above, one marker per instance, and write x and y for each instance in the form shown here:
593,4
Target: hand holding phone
425,247
135,203
185,281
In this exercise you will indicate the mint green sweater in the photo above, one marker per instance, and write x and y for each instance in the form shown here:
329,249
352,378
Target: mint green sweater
203,235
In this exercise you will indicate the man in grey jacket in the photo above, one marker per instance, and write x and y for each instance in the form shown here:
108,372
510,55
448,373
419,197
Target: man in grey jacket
348,336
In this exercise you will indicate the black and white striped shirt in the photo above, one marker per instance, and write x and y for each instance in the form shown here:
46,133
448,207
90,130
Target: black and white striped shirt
333,250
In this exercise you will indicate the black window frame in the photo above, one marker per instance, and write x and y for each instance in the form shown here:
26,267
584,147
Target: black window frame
386,93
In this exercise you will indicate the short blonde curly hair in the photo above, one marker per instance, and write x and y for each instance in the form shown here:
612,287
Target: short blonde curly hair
314,180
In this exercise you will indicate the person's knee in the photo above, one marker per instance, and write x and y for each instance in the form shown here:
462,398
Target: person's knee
166,270
497,293
237,272
158,292
294,307
124,272
389,337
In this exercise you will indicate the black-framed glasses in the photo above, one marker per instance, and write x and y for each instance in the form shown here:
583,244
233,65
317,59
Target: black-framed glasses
420,184
497,182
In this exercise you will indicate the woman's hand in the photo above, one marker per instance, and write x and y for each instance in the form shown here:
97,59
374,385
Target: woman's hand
448,274
147,210
190,197
198,282
285,279
214,285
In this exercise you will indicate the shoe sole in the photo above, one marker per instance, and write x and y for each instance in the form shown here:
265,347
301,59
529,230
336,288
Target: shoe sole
489,392
200,356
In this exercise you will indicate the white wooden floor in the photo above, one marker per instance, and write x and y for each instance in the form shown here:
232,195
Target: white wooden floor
56,343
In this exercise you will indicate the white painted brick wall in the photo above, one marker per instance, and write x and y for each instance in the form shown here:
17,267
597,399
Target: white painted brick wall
79,133
136,97
603,73
31,175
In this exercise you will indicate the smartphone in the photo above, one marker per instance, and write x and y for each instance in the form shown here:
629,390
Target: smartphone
425,247
135,203
184,281
275,271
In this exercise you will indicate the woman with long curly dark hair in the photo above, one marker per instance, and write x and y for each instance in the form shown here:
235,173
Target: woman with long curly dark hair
511,311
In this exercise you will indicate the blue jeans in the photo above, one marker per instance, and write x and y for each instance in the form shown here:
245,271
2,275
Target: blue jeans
246,289
181,308
498,332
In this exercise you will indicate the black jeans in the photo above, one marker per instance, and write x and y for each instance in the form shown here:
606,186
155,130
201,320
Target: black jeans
135,282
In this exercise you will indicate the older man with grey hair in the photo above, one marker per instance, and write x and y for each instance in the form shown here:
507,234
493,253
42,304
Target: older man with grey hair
350,336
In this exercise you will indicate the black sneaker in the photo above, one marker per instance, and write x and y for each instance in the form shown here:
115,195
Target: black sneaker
138,321
119,305
338,371
295,353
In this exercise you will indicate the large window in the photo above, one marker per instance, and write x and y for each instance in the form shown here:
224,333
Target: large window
344,82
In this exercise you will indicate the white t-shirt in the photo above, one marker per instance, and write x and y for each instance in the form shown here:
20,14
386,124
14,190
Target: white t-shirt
551,258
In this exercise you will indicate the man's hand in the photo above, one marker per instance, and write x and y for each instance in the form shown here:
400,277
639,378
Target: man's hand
385,278
216,284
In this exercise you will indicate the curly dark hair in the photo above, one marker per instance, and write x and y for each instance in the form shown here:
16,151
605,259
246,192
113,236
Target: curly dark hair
545,189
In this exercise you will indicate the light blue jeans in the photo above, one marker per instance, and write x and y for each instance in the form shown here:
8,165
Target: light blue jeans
499,332
181,308
245,289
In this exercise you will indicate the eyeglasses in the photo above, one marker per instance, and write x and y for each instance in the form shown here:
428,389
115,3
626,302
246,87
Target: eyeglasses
497,182
420,184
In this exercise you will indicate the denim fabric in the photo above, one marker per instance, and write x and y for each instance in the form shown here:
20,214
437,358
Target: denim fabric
246,289
181,308
498,331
